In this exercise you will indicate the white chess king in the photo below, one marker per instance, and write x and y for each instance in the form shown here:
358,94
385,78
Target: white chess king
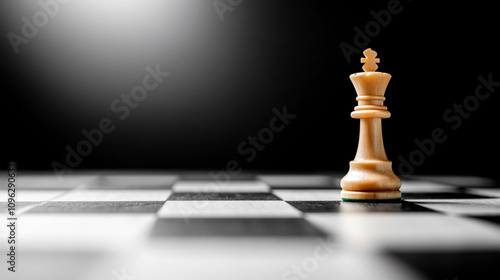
370,176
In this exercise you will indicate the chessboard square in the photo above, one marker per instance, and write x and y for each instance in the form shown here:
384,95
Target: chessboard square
85,232
415,232
464,264
316,206
31,195
300,181
221,187
307,195
495,219
415,197
356,207
426,190
413,186
20,207
134,181
218,176
47,181
227,209
222,196
82,207
115,195
485,192
69,264
461,181
485,206
246,227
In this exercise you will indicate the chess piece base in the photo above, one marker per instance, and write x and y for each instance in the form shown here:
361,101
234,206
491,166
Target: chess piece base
370,176
370,180
392,196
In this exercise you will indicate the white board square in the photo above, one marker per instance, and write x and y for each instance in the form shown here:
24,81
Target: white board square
221,187
115,195
228,209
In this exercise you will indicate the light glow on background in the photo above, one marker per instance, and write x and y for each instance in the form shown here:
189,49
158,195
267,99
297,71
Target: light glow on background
92,51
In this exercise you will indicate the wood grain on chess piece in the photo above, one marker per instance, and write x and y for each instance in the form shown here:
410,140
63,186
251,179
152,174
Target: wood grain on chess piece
370,175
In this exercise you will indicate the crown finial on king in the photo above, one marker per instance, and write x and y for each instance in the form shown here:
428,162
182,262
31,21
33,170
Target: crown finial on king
370,61
370,87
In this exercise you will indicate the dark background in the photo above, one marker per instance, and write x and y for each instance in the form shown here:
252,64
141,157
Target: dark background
227,76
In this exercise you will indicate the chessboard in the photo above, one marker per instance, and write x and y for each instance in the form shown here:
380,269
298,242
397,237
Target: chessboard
192,225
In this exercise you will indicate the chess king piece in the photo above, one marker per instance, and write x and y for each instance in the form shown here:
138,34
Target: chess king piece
370,175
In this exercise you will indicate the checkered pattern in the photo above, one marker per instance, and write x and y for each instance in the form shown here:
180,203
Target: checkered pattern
186,226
